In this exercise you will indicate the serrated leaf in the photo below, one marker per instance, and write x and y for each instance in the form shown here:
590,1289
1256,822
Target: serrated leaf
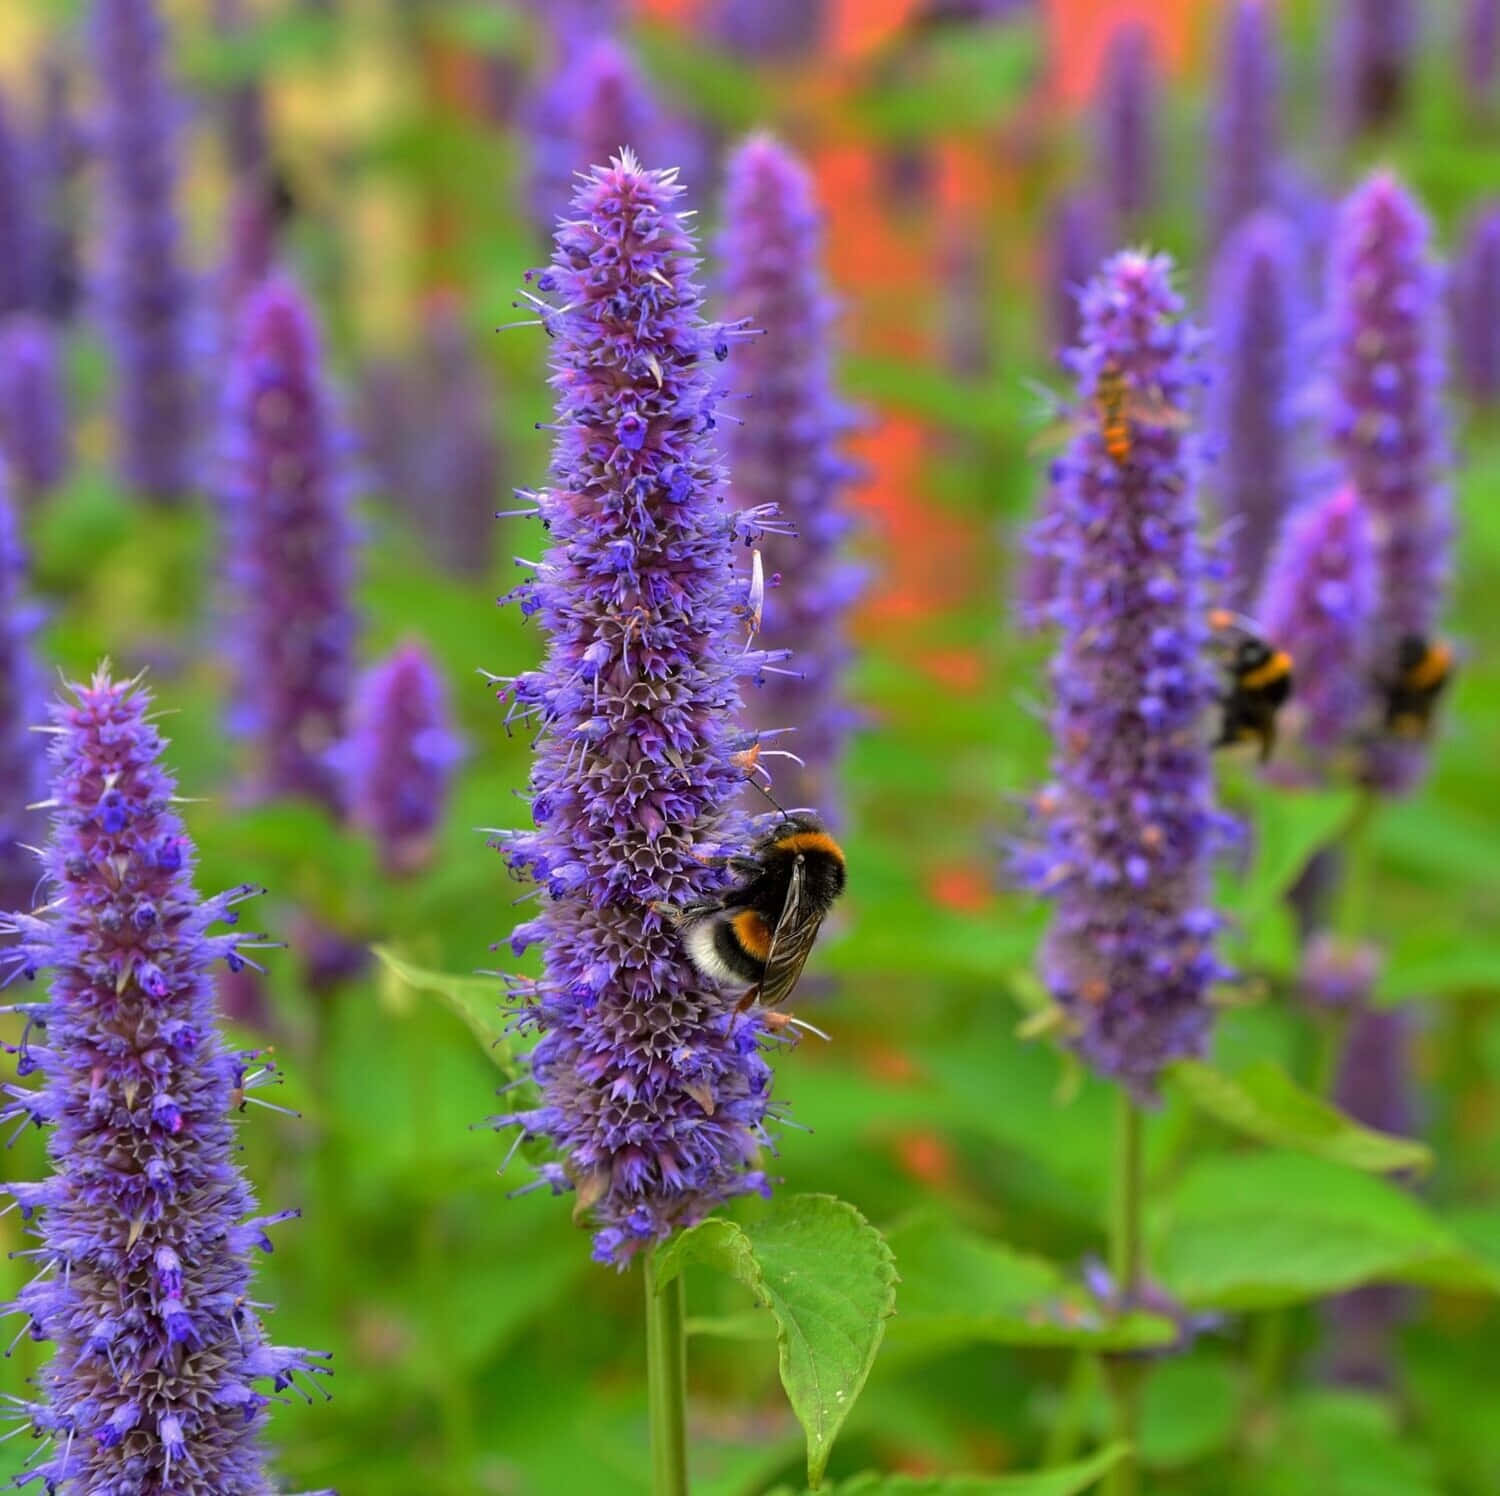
1063,1480
1256,1231
1264,1102
828,1278
473,999
957,1289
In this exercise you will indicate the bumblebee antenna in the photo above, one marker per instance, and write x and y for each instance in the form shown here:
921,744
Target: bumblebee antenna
780,809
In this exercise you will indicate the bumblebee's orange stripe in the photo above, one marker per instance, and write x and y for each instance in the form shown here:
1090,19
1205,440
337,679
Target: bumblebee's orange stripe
753,934
811,841
1278,665
1433,669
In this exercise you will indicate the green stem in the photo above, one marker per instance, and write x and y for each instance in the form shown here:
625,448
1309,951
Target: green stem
1125,1374
1352,909
666,1382
1066,1432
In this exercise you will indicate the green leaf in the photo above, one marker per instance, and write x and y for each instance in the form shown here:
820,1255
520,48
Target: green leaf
474,999
1255,1231
1063,1480
1289,827
828,1278
1332,1443
1189,1409
1263,1102
958,1289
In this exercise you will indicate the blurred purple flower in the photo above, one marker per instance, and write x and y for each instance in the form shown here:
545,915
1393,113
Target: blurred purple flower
594,104
1243,180
1125,127
1388,423
1148,1298
34,430
1319,603
18,206
144,290
1474,300
288,550
1338,974
1479,61
22,770
786,453
1076,243
653,1092
1256,315
59,157
399,758
1374,1086
386,401
1129,820
771,30
250,244
1374,49
243,103
458,458
145,1221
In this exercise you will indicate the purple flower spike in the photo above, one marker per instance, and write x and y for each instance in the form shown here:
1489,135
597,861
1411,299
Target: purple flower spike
1256,314
786,452
1129,819
1374,1086
1319,604
289,551
22,770
1479,37
653,1091
1076,243
1388,422
1337,974
460,462
18,206
1125,126
1374,48
244,107
33,406
144,290
60,154
1244,175
1475,302
161,1372
596,104
771,30
400,757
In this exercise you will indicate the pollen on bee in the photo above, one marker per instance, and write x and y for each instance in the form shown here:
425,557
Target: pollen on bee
1094,991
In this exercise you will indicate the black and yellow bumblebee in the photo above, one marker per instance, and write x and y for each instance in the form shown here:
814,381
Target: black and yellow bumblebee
1423,669
760,931
1260,684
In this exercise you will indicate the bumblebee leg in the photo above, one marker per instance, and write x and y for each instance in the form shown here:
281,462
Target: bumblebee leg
778,1022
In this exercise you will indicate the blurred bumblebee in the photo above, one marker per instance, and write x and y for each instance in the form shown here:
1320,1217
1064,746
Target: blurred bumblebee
760,932
1260,684
1116,410
1423,669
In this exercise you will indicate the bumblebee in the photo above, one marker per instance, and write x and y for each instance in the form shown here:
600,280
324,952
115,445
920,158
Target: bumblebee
759,932
1260,684
1423,669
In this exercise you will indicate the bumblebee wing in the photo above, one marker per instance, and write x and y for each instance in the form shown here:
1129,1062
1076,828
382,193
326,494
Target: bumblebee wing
791,944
